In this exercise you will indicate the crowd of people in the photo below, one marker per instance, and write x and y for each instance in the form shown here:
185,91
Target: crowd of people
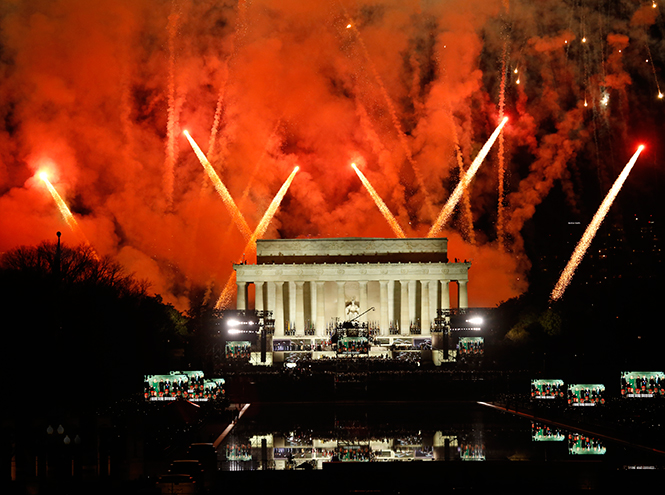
353,453
471,451
586,395
583,444
542,389
238,350
653,384
193,386
357,345
335,343
540,432
470,347
239,452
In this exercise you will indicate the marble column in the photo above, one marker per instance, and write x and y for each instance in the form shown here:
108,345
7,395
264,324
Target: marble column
241,302
412,302
383,298
363,300
292,304
277,293
462,296
320,309
445,294
424,307
391,302
341,301
300,307
270,297
313,309
258,296
404,308
433,299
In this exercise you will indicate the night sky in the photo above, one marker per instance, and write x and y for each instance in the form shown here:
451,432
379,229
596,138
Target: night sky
97,94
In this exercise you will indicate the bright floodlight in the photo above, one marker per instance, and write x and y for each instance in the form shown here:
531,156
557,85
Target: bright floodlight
234,331
476,320
232,323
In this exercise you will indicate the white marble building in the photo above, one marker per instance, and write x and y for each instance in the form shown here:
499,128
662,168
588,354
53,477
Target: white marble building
311,283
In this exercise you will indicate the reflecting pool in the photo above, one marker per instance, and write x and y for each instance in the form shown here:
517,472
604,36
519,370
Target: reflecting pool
311,436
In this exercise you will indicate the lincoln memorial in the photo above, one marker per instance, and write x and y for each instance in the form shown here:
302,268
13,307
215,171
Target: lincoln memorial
311,285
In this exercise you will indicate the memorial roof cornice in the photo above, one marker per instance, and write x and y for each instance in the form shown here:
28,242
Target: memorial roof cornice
352,271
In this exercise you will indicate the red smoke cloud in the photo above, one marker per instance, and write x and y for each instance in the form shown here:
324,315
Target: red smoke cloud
103,90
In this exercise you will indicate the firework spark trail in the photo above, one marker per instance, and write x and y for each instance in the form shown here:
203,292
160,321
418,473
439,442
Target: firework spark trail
448,208
390,218
125,112
585,52
467,215
653,69
466,200
66,213
501,172
248,186
216,119
393,114
590,232
226,296
398,196
237,216
257,167
240,29
172,122
272,209
241,201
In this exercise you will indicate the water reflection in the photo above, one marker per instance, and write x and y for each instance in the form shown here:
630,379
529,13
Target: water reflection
584,445
544,433
307,437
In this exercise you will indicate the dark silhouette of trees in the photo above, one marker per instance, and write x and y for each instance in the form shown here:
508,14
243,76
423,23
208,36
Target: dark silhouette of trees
79,327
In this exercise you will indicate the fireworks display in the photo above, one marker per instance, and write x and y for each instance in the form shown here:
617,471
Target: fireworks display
226,296
221,189
590,232
390,218
64,210
447,210
104,89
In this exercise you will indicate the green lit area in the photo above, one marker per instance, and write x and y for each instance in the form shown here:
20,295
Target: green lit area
584,445
190,385
547,389
353,345
545,433
471,346
586,394
238,349
642,384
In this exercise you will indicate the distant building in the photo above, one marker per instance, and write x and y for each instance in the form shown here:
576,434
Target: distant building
312,284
